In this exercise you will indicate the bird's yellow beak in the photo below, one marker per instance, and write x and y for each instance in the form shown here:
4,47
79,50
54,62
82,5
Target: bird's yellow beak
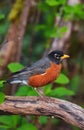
65,56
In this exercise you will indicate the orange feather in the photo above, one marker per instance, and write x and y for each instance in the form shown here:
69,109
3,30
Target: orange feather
48,77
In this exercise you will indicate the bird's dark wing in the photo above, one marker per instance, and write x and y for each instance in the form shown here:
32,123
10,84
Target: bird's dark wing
37,68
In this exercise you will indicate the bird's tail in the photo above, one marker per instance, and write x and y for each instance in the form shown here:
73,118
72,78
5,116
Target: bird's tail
12,80
15,80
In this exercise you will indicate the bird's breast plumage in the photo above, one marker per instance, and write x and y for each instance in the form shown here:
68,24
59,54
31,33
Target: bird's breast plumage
48,77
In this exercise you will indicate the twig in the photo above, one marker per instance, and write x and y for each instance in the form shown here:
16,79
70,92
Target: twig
65,110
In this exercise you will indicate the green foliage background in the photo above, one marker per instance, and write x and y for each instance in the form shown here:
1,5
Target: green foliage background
33,49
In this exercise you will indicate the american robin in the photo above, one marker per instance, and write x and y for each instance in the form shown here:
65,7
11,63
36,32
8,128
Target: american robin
41,73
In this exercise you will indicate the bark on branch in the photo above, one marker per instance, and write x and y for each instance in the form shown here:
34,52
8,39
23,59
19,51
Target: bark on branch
65,110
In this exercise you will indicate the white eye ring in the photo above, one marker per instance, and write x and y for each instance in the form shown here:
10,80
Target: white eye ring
56,56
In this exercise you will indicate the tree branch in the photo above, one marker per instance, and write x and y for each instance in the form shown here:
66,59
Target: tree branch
65,110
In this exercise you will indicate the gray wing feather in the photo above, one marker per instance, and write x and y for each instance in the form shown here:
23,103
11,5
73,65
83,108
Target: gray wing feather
37,68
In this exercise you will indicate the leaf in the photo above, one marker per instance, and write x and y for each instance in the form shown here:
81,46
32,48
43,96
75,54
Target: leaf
51,32
52,2
22,91
43,120
47,88
15,119
1,83
40,27
25,91
55,121
61,91
74,83
9,121
27,127
2,16
3,28
63,29
6,120
62,79
13,67
2,97
54,32
55,2
4,127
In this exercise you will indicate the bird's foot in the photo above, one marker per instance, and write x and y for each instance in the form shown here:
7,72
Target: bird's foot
39,91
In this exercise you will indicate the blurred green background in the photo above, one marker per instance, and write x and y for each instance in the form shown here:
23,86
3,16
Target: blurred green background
46,25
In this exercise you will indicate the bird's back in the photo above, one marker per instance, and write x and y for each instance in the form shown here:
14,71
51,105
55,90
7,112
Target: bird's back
23,75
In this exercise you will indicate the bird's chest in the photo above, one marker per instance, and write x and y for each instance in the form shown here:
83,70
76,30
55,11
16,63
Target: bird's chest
49,76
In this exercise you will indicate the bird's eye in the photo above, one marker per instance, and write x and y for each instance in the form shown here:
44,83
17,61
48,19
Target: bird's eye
56,56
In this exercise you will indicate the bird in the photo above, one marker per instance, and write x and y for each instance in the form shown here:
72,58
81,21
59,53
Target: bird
40,73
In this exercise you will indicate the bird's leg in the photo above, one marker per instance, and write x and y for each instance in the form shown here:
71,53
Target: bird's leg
39,91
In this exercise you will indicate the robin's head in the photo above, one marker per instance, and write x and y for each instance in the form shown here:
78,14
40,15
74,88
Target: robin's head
57,56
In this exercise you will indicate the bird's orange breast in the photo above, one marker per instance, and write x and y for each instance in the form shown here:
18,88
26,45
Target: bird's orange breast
49,76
